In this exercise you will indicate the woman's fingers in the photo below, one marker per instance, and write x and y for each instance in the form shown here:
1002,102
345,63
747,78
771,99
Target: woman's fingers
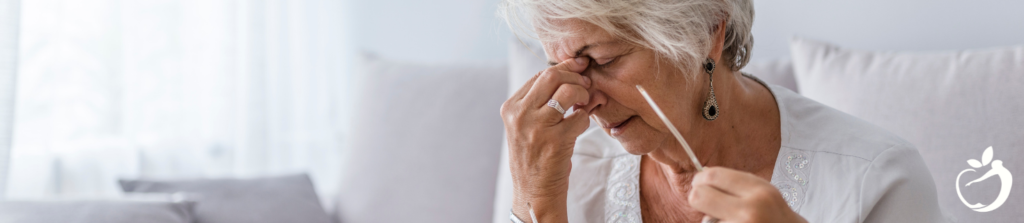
714,202
550,79
575,66
579,121
736,196
567,95
571,94
548,83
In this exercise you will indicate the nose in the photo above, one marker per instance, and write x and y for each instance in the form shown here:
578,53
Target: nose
597,97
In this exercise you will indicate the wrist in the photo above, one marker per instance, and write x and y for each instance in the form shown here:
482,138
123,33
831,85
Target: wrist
547,209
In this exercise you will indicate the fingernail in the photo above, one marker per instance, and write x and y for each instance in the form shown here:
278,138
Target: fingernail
586,81
581,61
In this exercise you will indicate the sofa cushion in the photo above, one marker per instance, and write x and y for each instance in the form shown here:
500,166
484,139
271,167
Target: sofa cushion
952,105
96,211
776,71
425,143
289,198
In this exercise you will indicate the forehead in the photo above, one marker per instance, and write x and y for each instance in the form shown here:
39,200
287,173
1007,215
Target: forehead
582,36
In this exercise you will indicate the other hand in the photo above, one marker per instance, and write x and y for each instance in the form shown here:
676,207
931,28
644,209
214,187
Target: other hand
541,139
736,196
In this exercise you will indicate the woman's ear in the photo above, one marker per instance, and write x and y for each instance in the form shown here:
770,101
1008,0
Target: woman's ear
718,41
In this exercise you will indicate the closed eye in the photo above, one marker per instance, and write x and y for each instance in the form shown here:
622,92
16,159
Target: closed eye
610,62
602,65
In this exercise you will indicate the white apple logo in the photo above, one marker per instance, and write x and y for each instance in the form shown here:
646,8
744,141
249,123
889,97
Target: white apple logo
997,170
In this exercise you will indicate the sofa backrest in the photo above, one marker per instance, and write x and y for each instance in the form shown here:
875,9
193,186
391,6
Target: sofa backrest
424,143
964,110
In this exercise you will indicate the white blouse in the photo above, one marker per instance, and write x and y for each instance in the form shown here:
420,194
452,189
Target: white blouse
832,167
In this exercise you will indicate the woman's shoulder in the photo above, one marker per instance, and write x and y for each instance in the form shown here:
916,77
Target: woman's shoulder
811,126
848,168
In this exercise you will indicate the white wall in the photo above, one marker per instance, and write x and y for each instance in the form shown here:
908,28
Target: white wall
435,31
887,24
468,30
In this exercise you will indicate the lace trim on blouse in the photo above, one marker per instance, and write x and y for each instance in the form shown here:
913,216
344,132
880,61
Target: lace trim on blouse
623,199
623,204
791,176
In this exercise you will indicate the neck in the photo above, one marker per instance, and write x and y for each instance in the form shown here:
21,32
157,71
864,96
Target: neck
746,135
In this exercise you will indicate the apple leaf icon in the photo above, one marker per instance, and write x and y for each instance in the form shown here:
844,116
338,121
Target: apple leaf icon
974,163
986,156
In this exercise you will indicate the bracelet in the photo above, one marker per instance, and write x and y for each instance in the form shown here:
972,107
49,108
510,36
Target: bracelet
512,215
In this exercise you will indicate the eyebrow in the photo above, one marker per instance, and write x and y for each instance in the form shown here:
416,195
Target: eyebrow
578,53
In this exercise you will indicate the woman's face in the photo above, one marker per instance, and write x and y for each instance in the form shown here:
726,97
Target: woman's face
616,67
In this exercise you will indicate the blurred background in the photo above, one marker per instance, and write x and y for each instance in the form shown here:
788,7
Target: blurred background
92,91
108,89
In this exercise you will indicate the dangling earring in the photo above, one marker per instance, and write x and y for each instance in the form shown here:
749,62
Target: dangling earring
711,105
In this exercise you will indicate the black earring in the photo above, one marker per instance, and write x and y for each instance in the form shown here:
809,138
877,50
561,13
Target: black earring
711,104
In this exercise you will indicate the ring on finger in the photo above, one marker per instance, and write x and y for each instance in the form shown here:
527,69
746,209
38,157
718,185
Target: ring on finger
557,106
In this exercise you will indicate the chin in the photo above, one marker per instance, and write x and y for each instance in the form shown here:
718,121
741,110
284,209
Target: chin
637,141
636,148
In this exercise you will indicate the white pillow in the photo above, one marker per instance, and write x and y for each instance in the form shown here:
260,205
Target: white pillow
952,105
289,198
425,143
777,71
118,210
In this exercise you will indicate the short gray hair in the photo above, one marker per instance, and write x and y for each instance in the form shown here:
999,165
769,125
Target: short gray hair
680,30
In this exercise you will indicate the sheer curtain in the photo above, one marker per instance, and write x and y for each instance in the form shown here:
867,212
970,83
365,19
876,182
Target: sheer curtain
110,89
8,66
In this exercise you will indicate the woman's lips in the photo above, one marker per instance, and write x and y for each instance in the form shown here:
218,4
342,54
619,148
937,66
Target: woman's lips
619,128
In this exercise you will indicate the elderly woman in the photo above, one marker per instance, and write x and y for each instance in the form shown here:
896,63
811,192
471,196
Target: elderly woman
772,155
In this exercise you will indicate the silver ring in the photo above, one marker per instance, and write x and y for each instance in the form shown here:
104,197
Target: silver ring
558,107
711,220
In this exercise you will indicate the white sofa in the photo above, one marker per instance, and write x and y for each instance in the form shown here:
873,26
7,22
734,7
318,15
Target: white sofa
430,147
427,139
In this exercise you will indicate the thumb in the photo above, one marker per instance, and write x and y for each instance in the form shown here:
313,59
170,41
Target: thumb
575,65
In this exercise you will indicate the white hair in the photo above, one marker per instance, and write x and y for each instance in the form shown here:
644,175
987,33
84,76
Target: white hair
680,30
